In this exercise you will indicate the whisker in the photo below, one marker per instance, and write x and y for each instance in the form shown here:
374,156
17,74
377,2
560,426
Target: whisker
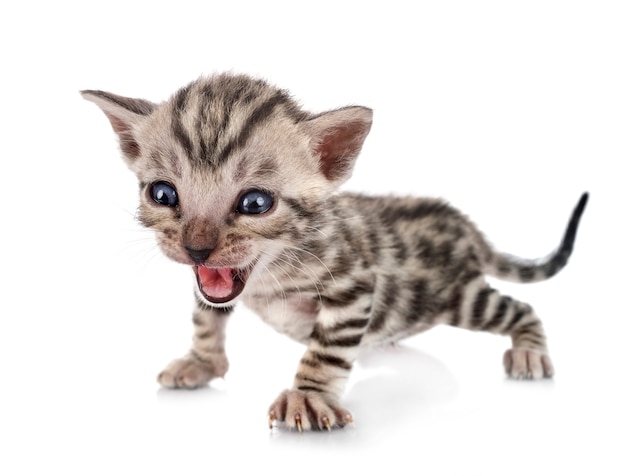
308,271
284,294
313,255
289,257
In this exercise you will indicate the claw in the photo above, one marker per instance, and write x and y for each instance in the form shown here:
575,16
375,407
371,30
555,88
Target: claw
298,422
272,418
326,423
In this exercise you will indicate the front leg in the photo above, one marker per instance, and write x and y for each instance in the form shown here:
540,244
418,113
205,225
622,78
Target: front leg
313,402
206,358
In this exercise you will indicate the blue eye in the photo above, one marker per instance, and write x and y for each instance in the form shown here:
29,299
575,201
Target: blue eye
164,194
254,202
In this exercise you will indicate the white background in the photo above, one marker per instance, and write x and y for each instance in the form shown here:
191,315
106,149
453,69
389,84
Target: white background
510,110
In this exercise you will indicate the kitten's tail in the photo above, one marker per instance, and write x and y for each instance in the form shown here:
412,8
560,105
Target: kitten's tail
511,268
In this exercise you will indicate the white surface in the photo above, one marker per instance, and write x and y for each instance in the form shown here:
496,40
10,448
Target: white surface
508,112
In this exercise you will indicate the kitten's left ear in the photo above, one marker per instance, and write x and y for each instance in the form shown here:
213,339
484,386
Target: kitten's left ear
124,114
337,137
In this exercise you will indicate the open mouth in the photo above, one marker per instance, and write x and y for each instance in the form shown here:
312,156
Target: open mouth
220,285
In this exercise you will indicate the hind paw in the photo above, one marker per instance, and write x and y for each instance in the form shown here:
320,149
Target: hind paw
527,364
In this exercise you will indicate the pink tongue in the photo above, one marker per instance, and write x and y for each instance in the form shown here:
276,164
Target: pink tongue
216,282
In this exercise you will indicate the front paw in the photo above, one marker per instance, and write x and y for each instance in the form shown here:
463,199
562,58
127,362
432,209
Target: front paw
529,364
308,411
192,372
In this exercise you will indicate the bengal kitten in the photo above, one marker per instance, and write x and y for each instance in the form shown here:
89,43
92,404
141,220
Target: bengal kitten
239,183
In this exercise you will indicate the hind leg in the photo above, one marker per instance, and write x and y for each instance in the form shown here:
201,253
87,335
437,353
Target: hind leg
482,308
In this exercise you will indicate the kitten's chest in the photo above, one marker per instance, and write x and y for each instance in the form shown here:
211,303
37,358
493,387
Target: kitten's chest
293,316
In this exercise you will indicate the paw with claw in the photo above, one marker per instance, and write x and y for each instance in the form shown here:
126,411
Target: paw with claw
308,411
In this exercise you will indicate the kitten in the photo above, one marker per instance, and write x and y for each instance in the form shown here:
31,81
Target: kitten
239,183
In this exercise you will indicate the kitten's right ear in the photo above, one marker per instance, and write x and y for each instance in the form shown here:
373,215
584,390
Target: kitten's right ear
124,114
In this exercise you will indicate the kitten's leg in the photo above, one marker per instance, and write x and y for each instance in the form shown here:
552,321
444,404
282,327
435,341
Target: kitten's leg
206,358
313,400
480,307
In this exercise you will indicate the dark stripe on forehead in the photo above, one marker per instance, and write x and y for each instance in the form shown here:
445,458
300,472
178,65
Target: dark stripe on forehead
258,116
165,163
218,100
180,134
206,94
180,97
240,96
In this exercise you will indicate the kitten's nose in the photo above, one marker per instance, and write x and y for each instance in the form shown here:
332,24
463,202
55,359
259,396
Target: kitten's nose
199,256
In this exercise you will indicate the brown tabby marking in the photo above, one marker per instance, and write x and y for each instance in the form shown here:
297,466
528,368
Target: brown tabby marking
239,183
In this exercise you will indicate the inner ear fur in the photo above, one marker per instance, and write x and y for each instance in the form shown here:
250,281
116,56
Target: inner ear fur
337,138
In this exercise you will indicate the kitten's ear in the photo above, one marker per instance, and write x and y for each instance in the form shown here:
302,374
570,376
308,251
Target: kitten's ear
337,137
124,114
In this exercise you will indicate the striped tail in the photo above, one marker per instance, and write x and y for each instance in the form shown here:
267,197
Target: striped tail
511,268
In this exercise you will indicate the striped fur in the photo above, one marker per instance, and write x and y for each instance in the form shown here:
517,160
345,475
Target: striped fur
337,272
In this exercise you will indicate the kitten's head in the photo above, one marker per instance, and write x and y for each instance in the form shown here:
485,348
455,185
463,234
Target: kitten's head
229,169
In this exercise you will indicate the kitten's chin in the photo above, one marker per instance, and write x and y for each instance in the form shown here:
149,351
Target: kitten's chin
220,285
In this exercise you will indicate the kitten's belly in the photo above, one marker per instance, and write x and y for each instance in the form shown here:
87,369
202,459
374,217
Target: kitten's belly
373,339
294,316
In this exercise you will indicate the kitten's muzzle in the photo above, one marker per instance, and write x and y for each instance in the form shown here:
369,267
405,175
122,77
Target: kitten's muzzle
198,256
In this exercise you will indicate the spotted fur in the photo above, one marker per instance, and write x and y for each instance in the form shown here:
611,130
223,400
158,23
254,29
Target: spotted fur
337,272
